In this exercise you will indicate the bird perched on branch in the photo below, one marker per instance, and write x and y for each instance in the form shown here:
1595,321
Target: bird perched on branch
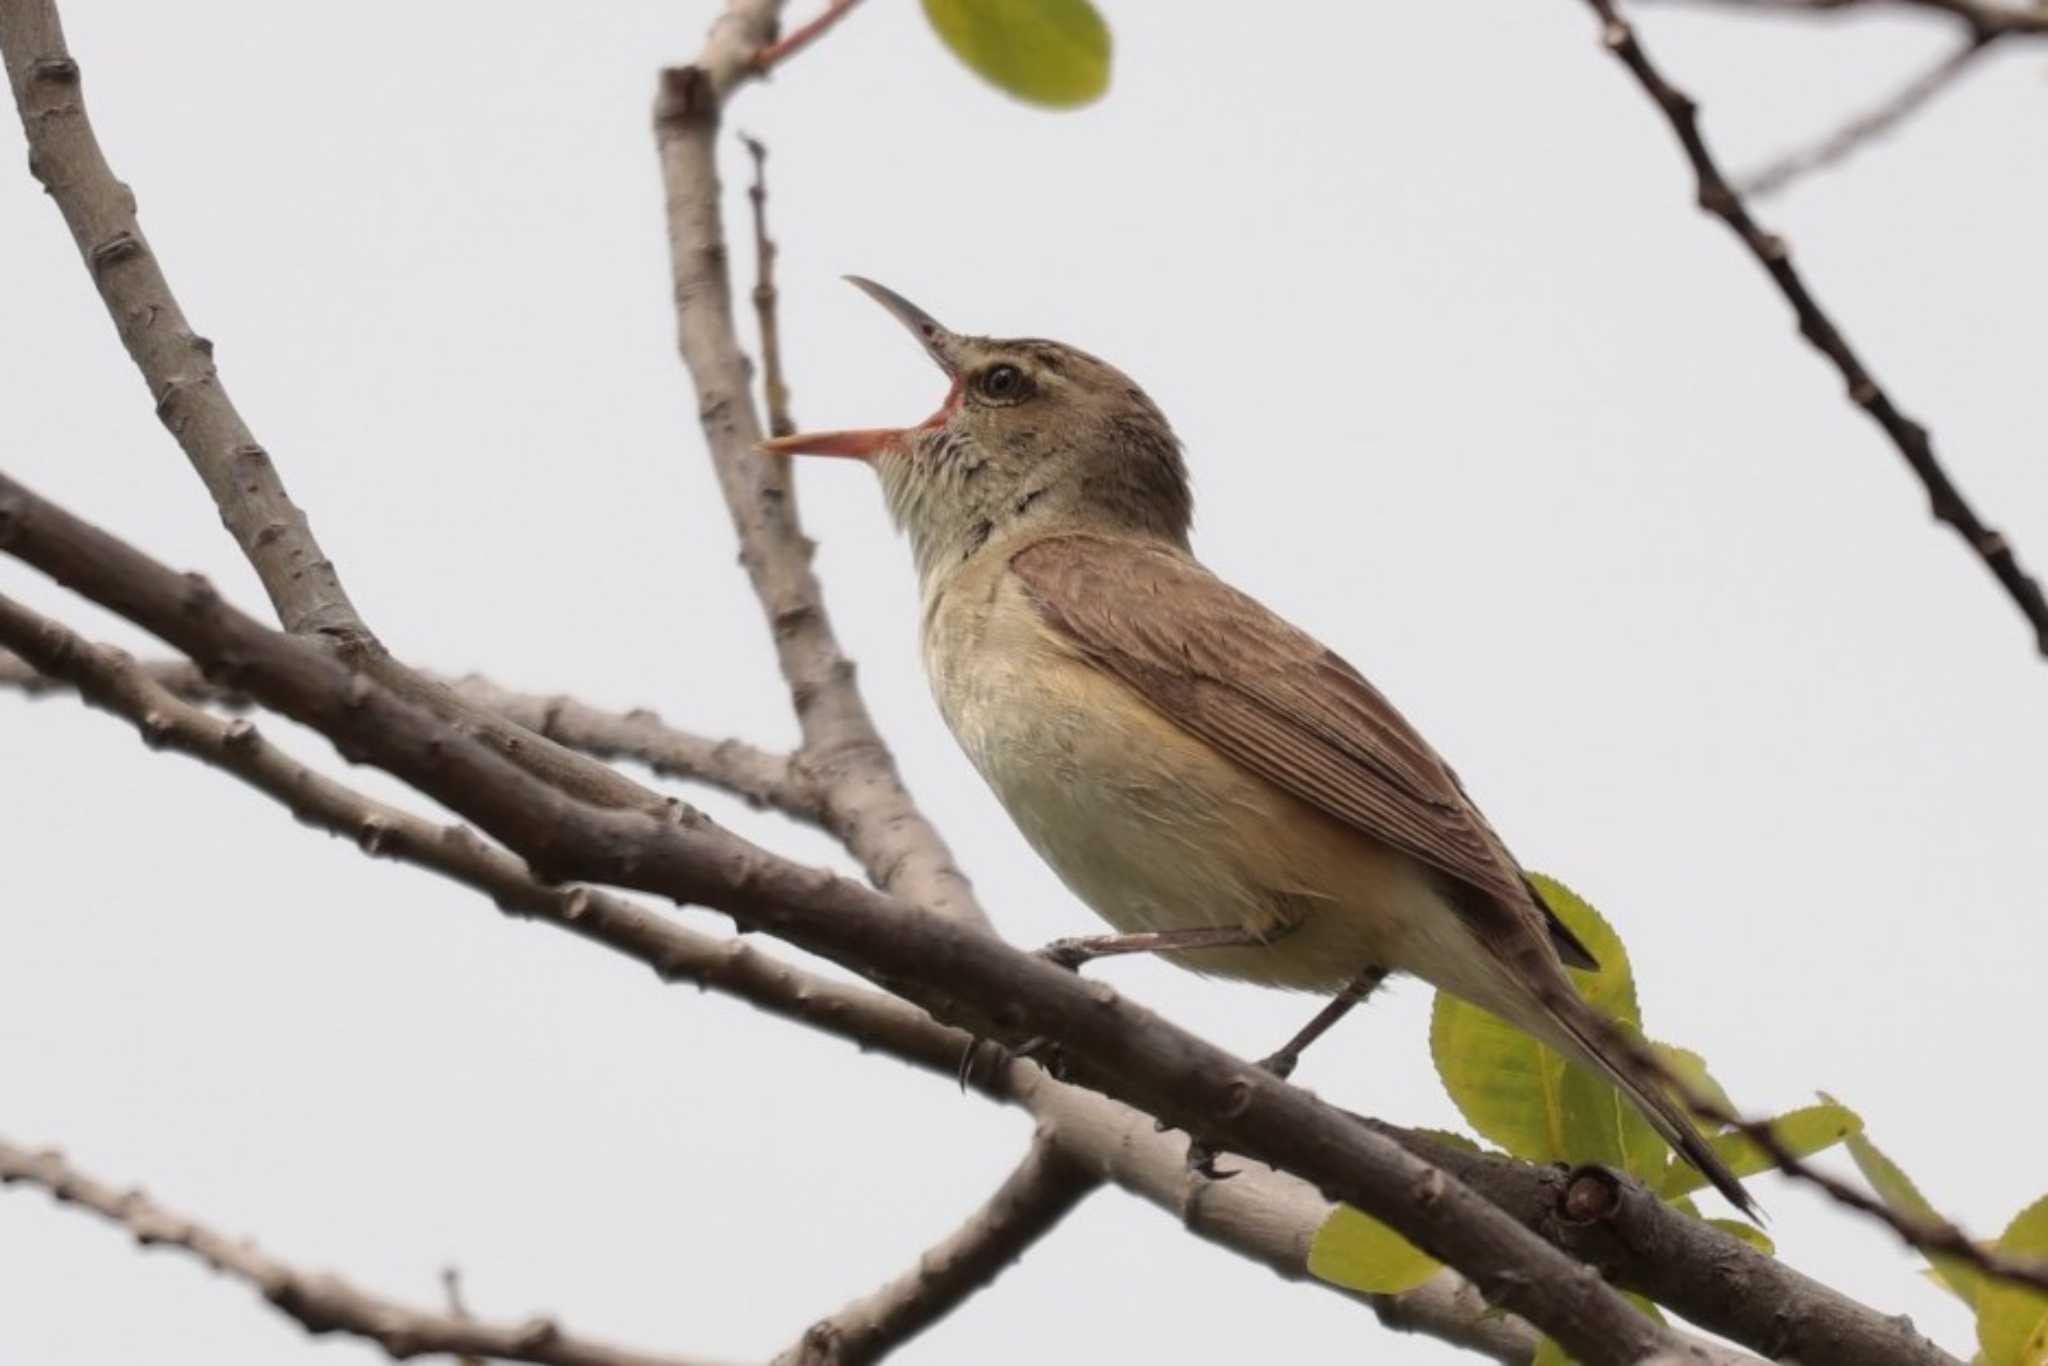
1215,783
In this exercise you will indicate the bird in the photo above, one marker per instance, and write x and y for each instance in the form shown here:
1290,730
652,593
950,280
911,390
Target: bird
1216,784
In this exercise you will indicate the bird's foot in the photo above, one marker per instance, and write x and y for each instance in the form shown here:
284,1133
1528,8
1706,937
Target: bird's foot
1038,1048
1202,1161
1068,953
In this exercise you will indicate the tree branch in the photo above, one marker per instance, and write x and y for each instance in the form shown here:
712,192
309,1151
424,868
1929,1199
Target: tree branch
959,971
1871,124
1267,1216
321,1303
1775,256
1982,19
1043,1190
177,363
866,805
1278,1217
782,49
760,777
178,367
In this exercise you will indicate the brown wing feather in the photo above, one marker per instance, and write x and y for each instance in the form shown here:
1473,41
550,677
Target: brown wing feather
1228,670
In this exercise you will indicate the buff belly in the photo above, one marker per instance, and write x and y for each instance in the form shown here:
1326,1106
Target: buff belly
1156,831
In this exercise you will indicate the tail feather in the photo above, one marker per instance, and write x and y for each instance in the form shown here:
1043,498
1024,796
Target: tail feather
1598,1044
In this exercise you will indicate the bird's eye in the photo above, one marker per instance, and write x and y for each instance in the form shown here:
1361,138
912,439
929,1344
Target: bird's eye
1004,383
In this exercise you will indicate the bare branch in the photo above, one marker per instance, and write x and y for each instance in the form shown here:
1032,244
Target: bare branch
1775,256
1103,1136
1044,1189
866,805
321,1303
1259,1213
109,679
959,971
1984,20
760,777
1864,128
193,403
176,363
802,36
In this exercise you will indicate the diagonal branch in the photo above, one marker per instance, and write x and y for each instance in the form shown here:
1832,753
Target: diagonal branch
959,971
1043,1190
178,367
782,49
321,1303
1866,127
1261,1214
1983,18
760,777
176,362
1775,256
1270,1218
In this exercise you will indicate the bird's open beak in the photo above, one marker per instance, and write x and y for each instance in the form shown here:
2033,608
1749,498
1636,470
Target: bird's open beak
943,346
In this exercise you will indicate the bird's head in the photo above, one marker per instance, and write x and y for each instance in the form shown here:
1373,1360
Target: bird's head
1033,437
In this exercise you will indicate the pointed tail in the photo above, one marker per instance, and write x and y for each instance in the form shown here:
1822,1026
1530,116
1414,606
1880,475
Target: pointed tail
1576,1030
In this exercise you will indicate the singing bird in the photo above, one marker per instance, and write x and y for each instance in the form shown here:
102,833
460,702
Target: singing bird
1212,781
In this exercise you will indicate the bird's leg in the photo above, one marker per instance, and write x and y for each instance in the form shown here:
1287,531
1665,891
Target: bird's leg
1086,948
1281,1063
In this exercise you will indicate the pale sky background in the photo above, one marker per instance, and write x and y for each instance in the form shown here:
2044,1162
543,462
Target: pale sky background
1469,389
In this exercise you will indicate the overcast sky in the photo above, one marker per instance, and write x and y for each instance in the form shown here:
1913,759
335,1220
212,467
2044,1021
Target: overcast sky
1469,390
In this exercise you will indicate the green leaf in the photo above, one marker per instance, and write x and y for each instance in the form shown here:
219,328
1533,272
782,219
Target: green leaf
1748,1233
1690,1068
1359,1252
1805,1131
1049,52
1521,1094
2012,1320
1738,1228
1896,1189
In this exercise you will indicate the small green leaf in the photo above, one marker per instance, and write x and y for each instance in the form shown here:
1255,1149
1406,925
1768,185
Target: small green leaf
1690,1068
1521,1094
1359,1252
1049,52
1748,1233
2012,1320
1805,1131
1736,1228
1896,1189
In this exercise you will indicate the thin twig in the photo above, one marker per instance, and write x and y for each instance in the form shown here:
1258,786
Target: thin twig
960,972
1259,1213
1775,256
451,1289
1045,1187
1865,127
320,1302
1982,19
774,54
774,386
760,777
